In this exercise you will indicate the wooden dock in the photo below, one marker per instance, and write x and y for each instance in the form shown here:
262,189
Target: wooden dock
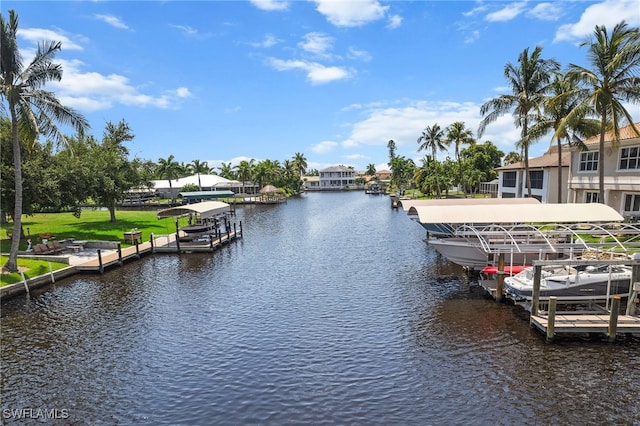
575,322
156,244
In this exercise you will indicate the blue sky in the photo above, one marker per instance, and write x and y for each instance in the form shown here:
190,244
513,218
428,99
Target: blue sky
223,81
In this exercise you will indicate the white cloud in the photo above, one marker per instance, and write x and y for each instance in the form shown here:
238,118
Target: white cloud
92,91
394,21
324,147
472,37
507,13
317,43
114,21
404,123
475,11
351,13
271,5
36,35
546,11
607,13
316,73
269,40
362,55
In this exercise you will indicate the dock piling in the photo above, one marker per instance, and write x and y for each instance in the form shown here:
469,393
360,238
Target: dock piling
500,278
551,318
613,318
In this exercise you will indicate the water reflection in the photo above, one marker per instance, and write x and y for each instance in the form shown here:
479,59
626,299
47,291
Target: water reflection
332,309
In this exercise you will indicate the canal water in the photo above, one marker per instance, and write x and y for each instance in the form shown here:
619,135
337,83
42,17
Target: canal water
331,310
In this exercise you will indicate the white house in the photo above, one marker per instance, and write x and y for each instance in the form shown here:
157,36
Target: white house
621,172
337,177
208,182
543,173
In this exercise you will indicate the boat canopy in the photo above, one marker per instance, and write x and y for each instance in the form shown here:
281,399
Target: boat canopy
204,210
515,213
205,195
407,204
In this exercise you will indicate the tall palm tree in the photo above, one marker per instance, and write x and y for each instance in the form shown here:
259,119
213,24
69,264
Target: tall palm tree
31,110
613,79
226,170
198,167
371,169
244,170
432,140
300,164
556,108
529,82
169,169
458,135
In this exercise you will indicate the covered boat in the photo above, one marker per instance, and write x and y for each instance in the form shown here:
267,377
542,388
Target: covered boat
204,217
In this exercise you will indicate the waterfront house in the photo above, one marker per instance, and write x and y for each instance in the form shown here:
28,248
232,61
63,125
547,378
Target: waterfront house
337,178
208,182
543,172
621,172
311,183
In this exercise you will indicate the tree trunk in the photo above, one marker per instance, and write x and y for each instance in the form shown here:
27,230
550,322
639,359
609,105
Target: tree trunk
559,171
601,159
12,262
527,182
112,210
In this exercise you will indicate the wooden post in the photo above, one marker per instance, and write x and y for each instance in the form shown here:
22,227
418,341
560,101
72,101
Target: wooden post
178,242
500,278
137,250
634,286
120,262
235,233
241,235
100,265
535,296
151,240
211,242
613,318
551,318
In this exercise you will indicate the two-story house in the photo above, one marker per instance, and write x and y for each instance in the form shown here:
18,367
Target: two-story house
621,172
337,177
543,172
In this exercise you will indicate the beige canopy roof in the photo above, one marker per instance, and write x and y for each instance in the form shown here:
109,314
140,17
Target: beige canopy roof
516,213
407,204
204,210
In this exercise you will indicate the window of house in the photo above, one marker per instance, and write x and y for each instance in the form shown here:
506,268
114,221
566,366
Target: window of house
632,204
630,158
536,179
509,179
589,161
591,197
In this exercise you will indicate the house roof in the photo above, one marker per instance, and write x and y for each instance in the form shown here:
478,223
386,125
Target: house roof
548,159
337,169
625,133
207,181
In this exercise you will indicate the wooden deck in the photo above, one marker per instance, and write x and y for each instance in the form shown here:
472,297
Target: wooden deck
586,323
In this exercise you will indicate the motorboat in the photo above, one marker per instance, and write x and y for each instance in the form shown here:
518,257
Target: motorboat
575,283
204,218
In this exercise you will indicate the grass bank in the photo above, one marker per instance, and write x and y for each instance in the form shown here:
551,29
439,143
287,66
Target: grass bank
92,225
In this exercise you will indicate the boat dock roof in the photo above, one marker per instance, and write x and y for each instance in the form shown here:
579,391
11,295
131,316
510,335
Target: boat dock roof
204,209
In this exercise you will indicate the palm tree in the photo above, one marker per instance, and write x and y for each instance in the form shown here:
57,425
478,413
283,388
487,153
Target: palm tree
529,82
458,135
431,139
613,79
300,164
32,110
244,170
169,169
226,170
198,167
371,170
555,111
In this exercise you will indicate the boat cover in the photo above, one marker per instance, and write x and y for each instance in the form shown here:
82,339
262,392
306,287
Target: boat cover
407,204
515,213
204,210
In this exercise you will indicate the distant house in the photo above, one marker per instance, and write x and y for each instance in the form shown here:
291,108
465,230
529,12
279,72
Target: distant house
543,172
383,174
621,173
208,182
310,183
337,177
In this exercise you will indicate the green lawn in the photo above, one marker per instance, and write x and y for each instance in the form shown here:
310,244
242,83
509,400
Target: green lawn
92,225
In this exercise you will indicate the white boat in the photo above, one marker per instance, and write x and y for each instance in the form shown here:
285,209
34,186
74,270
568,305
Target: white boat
571,283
